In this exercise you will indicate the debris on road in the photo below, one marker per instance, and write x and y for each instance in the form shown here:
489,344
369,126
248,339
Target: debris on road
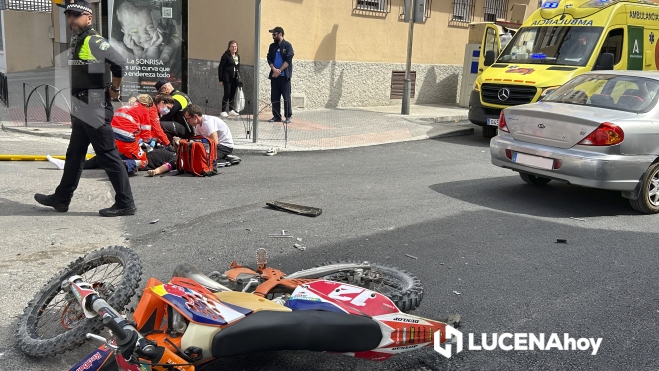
456,293
154,221
299,247
411,256
295,209
579,219
284,234
560,240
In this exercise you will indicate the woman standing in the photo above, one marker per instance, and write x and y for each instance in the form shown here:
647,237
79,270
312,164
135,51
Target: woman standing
229,75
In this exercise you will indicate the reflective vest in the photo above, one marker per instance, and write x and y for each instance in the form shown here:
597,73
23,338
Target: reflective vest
182,98
87,72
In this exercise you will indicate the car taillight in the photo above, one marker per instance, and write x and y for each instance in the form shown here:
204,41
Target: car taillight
607,134
502,123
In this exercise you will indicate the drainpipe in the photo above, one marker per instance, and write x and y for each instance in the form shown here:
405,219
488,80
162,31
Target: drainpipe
257,72
407,87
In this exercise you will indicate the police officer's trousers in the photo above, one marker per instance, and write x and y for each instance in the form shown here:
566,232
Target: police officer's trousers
91,118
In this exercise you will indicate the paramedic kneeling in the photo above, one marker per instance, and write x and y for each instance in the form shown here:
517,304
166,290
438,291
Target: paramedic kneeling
210,127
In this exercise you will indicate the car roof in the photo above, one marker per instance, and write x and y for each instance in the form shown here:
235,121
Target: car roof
646,74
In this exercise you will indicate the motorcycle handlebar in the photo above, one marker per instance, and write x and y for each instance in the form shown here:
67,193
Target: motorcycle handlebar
116,329
128,339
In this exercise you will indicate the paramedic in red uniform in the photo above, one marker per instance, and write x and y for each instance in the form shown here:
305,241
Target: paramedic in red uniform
126,125
152,132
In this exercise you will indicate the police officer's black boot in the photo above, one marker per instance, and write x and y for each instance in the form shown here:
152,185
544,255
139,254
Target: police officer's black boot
113,211
49,200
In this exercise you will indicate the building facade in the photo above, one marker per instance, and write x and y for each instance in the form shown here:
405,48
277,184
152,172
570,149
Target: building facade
25,35
346,51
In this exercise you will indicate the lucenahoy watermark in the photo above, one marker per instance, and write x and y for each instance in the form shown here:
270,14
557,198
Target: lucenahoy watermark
517,341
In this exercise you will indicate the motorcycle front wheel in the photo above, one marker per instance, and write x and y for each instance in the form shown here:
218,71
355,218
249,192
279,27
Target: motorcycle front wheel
53,322
403,288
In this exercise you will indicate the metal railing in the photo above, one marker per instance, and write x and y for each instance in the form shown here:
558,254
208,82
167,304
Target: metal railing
4,89
46,100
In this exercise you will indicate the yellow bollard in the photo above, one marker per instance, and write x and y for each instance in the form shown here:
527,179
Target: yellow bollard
33,157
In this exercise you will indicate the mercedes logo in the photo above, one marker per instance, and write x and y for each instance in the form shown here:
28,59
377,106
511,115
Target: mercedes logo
503,94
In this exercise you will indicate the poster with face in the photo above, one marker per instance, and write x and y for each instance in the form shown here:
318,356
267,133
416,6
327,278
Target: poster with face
149,34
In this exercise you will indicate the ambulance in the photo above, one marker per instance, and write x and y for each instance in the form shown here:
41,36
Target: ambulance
562,39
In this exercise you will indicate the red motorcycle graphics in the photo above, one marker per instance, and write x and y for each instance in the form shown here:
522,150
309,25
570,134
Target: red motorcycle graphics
95,360
339,297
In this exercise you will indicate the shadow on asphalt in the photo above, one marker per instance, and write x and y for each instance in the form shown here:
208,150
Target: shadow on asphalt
556,199
475,140
13,208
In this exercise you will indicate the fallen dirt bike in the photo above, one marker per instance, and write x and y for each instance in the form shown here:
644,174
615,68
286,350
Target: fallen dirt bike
193,319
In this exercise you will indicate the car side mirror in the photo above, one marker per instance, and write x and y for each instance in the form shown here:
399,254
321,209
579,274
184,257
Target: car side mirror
489,58
604,62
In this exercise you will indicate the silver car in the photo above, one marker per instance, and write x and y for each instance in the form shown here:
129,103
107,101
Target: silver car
599,130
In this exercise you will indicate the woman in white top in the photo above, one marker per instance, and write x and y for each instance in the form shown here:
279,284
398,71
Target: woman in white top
229,75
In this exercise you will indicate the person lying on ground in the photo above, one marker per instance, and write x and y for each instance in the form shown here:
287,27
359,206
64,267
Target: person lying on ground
174,125
160,161
212,128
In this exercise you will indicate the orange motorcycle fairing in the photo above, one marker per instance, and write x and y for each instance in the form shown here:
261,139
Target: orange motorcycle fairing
151,312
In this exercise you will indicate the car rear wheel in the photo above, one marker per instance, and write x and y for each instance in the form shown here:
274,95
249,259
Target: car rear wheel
489,131
648,199
534,180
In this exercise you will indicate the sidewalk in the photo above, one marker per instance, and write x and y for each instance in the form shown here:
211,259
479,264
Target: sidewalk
314,130
309,130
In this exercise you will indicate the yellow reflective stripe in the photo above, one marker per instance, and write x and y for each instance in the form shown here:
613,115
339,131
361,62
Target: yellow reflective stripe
181,99
86,53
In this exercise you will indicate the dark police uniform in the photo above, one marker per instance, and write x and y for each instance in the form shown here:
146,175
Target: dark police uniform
174,123
91,115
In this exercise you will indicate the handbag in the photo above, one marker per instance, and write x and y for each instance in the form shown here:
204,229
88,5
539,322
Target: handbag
239,100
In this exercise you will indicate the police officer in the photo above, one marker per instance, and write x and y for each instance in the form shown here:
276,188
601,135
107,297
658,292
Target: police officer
172,121
91,114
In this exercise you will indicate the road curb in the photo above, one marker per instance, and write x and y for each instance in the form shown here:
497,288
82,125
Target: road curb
444,119
444,133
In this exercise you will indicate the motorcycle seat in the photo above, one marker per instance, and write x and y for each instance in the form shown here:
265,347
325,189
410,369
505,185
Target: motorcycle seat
268,331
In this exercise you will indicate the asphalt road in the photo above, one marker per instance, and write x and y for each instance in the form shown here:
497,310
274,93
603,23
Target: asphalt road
476,229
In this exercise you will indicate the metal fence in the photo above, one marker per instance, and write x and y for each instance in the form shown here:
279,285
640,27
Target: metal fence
4,89
44,6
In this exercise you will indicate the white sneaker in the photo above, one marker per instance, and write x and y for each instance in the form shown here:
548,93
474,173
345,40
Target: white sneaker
234,113
271,152
224,114
56,161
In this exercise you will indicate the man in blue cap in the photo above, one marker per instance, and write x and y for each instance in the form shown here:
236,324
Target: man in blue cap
280,58
91,114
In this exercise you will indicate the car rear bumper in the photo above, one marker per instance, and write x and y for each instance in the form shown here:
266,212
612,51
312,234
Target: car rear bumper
583,168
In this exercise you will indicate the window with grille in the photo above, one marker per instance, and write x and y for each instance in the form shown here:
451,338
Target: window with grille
495,9
44,6
373,5
463,11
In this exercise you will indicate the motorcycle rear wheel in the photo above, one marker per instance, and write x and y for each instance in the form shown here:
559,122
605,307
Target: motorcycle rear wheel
402,287
53,322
